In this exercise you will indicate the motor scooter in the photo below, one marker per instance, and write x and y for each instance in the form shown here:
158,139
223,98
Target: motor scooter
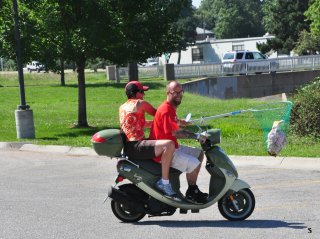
131,201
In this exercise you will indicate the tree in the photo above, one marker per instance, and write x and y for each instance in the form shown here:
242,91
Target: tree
157,20
312,15
74,30
267,8
232,18
285,19
206,15
186,28
79,30
308,44
7,44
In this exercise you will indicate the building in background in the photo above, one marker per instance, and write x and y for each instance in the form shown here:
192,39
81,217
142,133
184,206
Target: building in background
211,50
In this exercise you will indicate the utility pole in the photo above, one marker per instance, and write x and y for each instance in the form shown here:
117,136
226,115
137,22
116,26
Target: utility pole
23,114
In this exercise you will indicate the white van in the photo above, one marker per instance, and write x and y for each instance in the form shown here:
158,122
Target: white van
244,62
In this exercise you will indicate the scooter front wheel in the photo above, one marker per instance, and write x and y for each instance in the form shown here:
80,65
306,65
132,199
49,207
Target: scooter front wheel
238,206
125,214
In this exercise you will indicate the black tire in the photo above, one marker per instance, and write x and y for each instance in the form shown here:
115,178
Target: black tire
124,214
245,201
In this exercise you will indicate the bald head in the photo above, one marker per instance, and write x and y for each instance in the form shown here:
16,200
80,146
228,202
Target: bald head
174,93
172,85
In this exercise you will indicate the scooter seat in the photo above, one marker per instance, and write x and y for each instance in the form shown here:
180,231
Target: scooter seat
152,166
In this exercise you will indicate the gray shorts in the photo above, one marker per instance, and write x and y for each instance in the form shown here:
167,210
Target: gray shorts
185,158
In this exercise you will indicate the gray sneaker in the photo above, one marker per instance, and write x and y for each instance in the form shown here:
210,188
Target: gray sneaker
165,188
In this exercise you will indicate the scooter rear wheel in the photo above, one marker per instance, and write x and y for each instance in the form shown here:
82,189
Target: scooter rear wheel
125,214
245,202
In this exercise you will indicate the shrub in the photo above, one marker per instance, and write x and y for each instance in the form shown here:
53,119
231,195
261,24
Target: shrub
305,114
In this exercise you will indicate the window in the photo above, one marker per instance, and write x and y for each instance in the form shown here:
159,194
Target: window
239,47
197,54
249,55
258,55
239,55
228,56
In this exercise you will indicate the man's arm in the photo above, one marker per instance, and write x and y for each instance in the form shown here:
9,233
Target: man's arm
183,123
184,134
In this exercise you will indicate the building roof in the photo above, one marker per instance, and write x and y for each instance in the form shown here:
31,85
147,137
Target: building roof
215,41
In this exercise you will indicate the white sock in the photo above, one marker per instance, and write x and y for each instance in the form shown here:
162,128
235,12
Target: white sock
165,181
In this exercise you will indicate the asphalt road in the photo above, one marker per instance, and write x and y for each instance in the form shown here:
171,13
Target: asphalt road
54,195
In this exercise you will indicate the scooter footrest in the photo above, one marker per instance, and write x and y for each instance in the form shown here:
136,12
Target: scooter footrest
195,210
183,211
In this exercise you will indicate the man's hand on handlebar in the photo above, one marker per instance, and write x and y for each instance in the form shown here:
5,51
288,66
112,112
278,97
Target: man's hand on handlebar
183,123
201,138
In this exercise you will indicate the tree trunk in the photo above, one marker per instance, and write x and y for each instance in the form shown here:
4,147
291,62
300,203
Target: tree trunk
133,71
168,57
82,108
179,57
63,83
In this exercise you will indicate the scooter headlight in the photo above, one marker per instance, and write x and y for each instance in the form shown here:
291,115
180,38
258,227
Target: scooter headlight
214,135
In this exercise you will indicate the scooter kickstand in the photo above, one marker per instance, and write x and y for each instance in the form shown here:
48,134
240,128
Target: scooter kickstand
109,192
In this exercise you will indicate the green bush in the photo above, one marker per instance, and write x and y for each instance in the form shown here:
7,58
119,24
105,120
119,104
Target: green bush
9,65
305,114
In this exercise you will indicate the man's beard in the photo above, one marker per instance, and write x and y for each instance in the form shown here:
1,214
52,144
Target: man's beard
176,102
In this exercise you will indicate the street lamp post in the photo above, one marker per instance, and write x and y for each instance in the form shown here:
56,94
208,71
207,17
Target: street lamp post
23,114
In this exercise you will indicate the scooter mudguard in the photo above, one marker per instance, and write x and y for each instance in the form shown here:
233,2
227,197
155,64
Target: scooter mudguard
239,184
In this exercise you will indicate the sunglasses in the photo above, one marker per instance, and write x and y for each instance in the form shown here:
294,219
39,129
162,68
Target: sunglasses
176,92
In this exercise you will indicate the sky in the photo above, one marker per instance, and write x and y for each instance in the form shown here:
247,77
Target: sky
196,3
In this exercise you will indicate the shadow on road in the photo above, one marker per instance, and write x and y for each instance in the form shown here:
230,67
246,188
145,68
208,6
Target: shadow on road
226,224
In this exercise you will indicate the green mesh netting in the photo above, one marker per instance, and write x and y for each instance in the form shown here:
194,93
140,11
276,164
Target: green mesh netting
266,114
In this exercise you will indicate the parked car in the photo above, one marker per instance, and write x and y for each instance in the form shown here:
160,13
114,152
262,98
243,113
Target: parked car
243,62
35,66
150,62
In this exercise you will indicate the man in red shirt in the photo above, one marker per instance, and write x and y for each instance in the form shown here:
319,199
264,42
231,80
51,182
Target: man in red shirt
186,159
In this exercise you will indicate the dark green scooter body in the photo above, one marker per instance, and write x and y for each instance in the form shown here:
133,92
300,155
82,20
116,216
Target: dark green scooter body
141,197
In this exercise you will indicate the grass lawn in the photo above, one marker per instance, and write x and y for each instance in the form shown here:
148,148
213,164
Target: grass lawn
55,111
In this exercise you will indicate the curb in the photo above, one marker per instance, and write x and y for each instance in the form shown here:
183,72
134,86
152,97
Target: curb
298,163
25,146
265,161
12,145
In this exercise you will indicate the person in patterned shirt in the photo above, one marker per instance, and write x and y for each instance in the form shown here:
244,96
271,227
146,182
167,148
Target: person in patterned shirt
133,122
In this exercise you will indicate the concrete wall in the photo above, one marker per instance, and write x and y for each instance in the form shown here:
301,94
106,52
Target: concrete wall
250,86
